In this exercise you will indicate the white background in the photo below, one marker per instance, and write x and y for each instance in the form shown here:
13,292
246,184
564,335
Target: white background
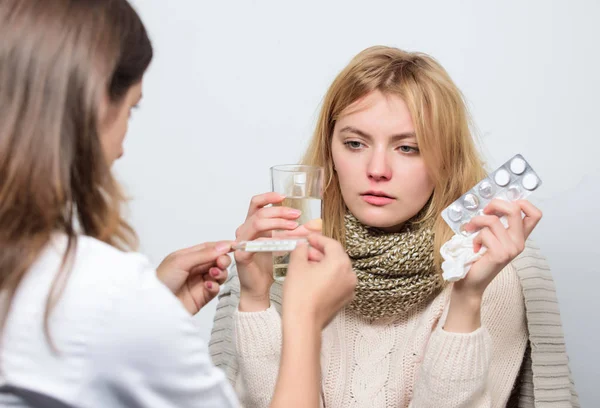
235,87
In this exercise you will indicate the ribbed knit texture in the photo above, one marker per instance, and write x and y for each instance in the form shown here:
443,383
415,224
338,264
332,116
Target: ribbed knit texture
548,382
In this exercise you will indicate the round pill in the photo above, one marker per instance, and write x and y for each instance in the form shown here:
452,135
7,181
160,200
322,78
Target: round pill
530,181
471,202
502,177
518,165
486,189
513,193
455,213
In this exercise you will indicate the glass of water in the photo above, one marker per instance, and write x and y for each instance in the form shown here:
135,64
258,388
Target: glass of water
302,187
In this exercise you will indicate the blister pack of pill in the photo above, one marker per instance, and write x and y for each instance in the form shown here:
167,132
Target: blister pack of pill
514,180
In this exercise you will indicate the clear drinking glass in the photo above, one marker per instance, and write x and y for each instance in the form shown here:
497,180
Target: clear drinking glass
302,187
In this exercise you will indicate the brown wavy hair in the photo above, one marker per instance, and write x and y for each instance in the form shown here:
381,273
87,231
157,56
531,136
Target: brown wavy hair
442,128
58,60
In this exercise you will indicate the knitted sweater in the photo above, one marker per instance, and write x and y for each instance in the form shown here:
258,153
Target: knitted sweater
408,360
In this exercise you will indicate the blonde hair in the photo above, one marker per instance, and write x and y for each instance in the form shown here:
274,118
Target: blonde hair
441,123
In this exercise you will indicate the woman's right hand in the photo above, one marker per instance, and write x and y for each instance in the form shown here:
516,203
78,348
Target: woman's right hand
317,287
319,282
255,270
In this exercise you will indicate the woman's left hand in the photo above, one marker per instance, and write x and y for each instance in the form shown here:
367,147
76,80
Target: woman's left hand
195,274
503,244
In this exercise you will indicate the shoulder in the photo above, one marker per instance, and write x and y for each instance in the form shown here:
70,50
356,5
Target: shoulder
90,259
94,274
93,254
101,271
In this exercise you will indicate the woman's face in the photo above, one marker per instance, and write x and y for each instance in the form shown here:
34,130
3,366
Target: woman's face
383,177
115,120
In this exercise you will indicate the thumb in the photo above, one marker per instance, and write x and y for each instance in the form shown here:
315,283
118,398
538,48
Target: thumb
314,225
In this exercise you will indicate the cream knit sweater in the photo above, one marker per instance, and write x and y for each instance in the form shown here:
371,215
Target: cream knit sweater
405,361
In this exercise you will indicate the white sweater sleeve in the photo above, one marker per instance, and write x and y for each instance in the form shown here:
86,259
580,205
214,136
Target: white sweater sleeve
258,347
477,369
152,355
455,371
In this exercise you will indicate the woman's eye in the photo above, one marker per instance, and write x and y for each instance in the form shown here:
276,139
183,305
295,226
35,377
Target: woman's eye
353,144
409,149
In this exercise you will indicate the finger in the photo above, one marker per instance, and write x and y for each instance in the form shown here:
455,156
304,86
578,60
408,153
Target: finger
261,200
196,247
325,245
258,226
493,223
509,243
315,225
495,253
203,287
299,256
223,262
512,211
216,275
199,247
199,258
211,290
302,232
242,256
533,215
278,212
314,255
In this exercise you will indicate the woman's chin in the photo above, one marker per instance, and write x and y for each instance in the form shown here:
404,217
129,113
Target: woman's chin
381,218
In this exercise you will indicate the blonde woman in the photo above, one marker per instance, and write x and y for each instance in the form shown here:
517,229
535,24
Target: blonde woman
393,136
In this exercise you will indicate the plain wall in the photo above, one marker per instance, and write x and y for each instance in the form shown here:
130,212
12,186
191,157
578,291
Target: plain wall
235,88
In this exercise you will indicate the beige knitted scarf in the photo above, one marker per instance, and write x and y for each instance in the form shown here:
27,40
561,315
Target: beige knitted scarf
396,271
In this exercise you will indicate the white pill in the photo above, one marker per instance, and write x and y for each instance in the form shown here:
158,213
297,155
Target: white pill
486,189
513,193
471,202
518,165
455,213
502,178
530,181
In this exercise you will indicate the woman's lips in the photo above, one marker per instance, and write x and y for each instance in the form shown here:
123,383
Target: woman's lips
377,200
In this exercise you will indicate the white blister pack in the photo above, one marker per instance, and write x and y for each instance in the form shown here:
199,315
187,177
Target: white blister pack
514,180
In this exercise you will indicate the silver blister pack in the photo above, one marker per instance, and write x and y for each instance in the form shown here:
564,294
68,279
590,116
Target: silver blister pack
514,180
